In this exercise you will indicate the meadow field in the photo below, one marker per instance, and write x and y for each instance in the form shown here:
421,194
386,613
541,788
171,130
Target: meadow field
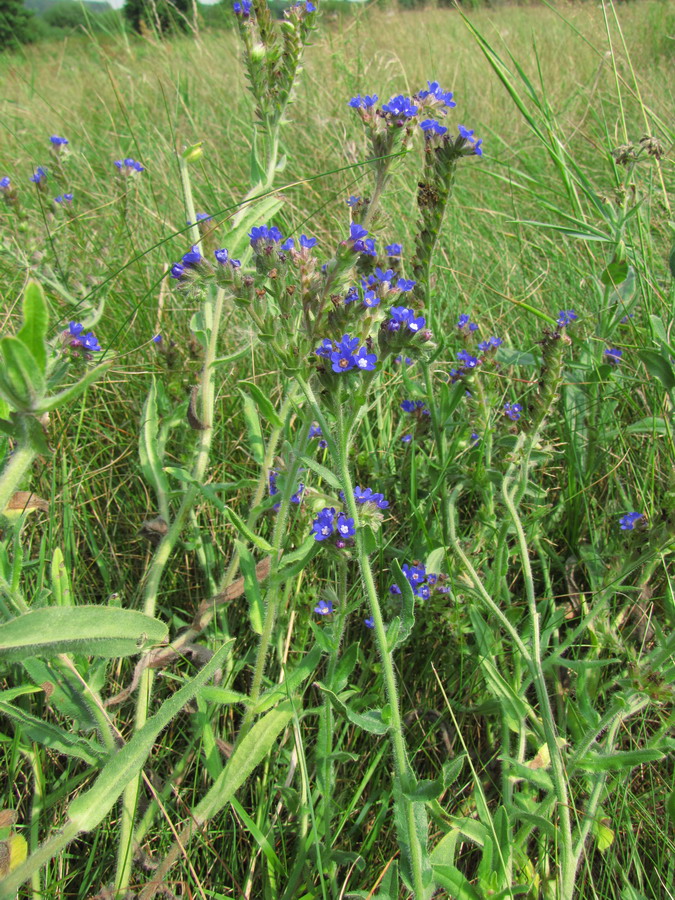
227,670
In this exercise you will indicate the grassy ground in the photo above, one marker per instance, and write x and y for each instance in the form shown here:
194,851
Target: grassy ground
596,79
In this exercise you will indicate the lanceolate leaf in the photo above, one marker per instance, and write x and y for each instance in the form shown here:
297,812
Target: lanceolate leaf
91,807
92,630
35,323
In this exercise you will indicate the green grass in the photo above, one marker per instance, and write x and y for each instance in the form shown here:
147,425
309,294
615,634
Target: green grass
587,85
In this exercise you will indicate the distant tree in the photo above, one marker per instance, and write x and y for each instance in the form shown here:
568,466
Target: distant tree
162,15
65,14
16,24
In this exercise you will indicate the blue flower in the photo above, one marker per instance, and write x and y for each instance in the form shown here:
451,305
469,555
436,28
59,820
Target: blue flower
613,355
395,589
400,107
444,97
242,8
467,359
157,339
5,183
351,295
345,526
315,431
272,479
368,247
423,591
366,102
85,341
297,496
491,344
406,439
566,317
464,320
415,324
177,271
366,495
288,244
369,622
431,127
223,257
58,141
39,176
352,200
513,410
308,242
356,231
65,198
325,349
129,165
193,257
405,284
323,608
467,136
305,6
475,437
627,522
342,360
411,406
393,250
406,360
323,525
262,236
364,360
370,299
414,574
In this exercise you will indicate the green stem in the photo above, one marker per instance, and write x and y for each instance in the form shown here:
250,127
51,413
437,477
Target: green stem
155,574
17,466
195,236
568,866
401,764
272,599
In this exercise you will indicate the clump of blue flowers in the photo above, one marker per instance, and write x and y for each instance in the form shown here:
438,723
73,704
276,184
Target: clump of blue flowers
628,521
345,355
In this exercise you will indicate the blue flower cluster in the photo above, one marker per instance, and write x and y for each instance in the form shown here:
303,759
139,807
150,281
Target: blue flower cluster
360,102
63,198
466,135
193,259
128,166
491,344
306,243
421,582
415,406
297,496
344,355
367,495
360,243
628,522
39,177
566,317
402,319
329,523
86,342
316,432
263,237
436,97
465,322
242,8
223,257
400,107
394,251
513,411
